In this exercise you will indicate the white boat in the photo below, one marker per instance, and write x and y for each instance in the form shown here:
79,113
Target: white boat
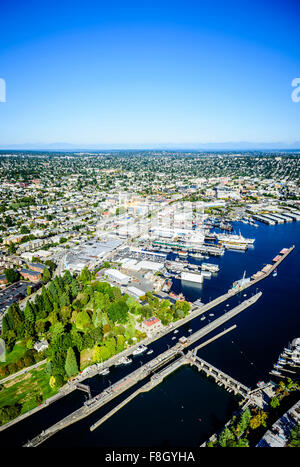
235,239
150,352
127,360
119,362
139,350
211,314
210,267
190,330
203,317
197,255
104,372
176,331
173,338
206,274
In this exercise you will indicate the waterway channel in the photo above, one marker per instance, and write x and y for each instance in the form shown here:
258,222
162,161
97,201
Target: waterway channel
187,408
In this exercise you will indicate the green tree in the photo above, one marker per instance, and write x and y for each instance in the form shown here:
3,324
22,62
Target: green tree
46,275
83,321
274,402
24,229
71,363
11,275
294,440
225,437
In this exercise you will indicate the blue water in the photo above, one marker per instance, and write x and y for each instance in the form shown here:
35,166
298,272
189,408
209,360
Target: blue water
187,408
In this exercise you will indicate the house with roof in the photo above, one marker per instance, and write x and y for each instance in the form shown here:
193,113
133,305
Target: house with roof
151,325
39,346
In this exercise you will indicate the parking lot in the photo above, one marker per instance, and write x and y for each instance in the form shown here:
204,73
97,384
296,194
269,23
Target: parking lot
139,255
14,293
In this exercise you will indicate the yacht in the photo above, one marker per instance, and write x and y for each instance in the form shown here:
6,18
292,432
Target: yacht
210,267
127,360
139,350
235,239
197,255
150,352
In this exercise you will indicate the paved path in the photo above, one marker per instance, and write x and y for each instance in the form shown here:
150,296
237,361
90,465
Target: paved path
21,372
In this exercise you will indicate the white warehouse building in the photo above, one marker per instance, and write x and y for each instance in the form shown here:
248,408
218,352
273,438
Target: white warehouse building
117,276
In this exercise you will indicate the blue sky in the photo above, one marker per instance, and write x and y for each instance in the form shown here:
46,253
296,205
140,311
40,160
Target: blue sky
134,73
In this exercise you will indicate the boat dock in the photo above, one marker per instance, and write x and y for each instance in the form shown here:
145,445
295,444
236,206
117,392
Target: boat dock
264,219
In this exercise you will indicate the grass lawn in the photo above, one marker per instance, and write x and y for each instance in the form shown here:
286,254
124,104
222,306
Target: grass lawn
17,352
26,388
85,355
